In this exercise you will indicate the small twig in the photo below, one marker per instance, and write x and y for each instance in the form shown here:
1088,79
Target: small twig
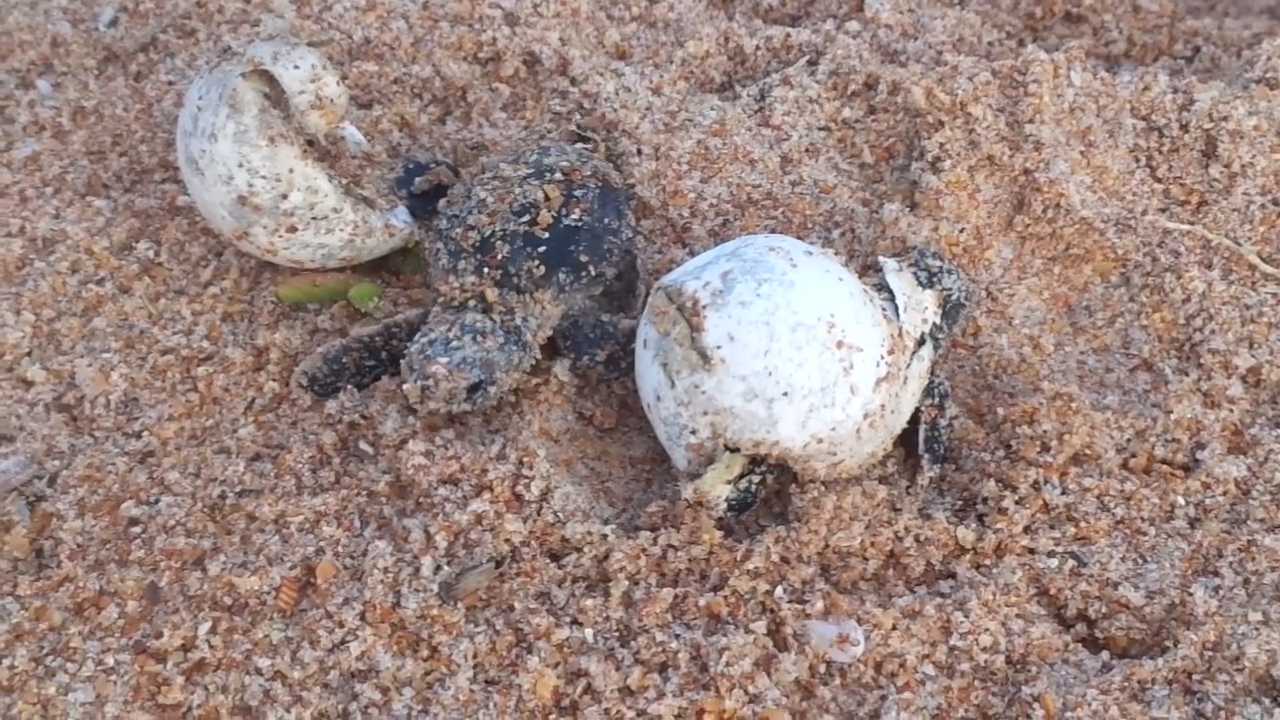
1245,251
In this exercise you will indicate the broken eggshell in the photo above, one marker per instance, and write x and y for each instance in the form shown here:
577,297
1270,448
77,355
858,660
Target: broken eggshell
250,138
766,348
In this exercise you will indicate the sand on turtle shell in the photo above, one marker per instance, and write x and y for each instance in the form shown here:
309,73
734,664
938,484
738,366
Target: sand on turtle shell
1107,543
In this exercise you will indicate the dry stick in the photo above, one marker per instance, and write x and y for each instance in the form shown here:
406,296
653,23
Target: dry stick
1245,251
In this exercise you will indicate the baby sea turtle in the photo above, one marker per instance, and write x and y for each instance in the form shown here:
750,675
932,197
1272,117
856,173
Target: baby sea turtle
534,255
766,353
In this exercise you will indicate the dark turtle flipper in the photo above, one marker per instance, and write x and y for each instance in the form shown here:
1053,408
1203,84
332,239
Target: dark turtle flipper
934,428
464,360
362,358
598,345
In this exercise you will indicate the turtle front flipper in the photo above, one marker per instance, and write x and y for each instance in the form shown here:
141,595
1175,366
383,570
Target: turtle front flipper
464,360
360,359
933,429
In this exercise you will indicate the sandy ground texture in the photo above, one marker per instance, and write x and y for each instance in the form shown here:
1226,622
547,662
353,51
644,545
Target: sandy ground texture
1106,545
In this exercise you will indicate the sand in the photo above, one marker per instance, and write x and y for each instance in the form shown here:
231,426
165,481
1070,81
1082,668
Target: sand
1105,545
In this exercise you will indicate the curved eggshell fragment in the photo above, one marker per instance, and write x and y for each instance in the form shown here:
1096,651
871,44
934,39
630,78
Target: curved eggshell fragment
250,138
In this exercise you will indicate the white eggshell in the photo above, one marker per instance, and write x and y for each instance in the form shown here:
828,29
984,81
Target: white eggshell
769,347
243,159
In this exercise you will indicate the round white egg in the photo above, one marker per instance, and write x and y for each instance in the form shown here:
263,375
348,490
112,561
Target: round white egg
766,346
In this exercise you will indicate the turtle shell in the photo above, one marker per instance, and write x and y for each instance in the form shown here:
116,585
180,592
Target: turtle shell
552,218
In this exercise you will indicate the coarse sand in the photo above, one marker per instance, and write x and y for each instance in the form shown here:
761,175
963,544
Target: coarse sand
1105,545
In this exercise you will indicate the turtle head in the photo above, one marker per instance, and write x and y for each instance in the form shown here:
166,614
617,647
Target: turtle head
463,360
934,272
930,294
422,184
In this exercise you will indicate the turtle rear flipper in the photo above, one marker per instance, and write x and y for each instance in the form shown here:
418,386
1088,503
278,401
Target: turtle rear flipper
933,429
598,345
362,358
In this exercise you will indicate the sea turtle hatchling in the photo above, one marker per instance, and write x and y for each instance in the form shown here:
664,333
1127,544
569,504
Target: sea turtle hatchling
765,351
535,254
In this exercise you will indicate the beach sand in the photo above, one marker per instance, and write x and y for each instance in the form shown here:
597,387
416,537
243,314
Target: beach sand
1106,543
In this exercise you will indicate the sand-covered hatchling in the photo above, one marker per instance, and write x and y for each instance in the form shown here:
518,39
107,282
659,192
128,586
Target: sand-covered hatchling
765,351
535,253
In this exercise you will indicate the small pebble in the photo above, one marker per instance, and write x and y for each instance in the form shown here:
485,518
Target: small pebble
843,641
108,17
16,470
